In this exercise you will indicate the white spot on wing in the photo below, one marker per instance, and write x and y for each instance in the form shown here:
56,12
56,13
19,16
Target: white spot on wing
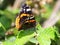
28,9
31,17
24,9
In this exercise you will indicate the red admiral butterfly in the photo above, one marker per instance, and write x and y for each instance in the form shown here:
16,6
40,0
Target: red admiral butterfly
25,17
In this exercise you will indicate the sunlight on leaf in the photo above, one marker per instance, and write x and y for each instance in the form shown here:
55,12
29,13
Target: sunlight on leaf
45,35
0,25
9,41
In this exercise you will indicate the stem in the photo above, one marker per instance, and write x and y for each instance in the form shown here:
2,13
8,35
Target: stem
54,17
2,26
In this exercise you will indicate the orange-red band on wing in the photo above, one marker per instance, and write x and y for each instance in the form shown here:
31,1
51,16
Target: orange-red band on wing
30,21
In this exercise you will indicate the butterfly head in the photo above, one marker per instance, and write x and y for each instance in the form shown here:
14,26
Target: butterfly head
26,9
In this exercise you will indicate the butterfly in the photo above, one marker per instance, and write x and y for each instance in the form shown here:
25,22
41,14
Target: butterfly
25,17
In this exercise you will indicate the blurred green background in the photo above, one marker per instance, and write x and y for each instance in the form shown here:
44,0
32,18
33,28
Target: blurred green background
42,10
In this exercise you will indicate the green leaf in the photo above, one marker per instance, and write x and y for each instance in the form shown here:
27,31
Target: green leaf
0,25
33,40
45,35
24,36
51,32
6,22
2,30
9,41
39,28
